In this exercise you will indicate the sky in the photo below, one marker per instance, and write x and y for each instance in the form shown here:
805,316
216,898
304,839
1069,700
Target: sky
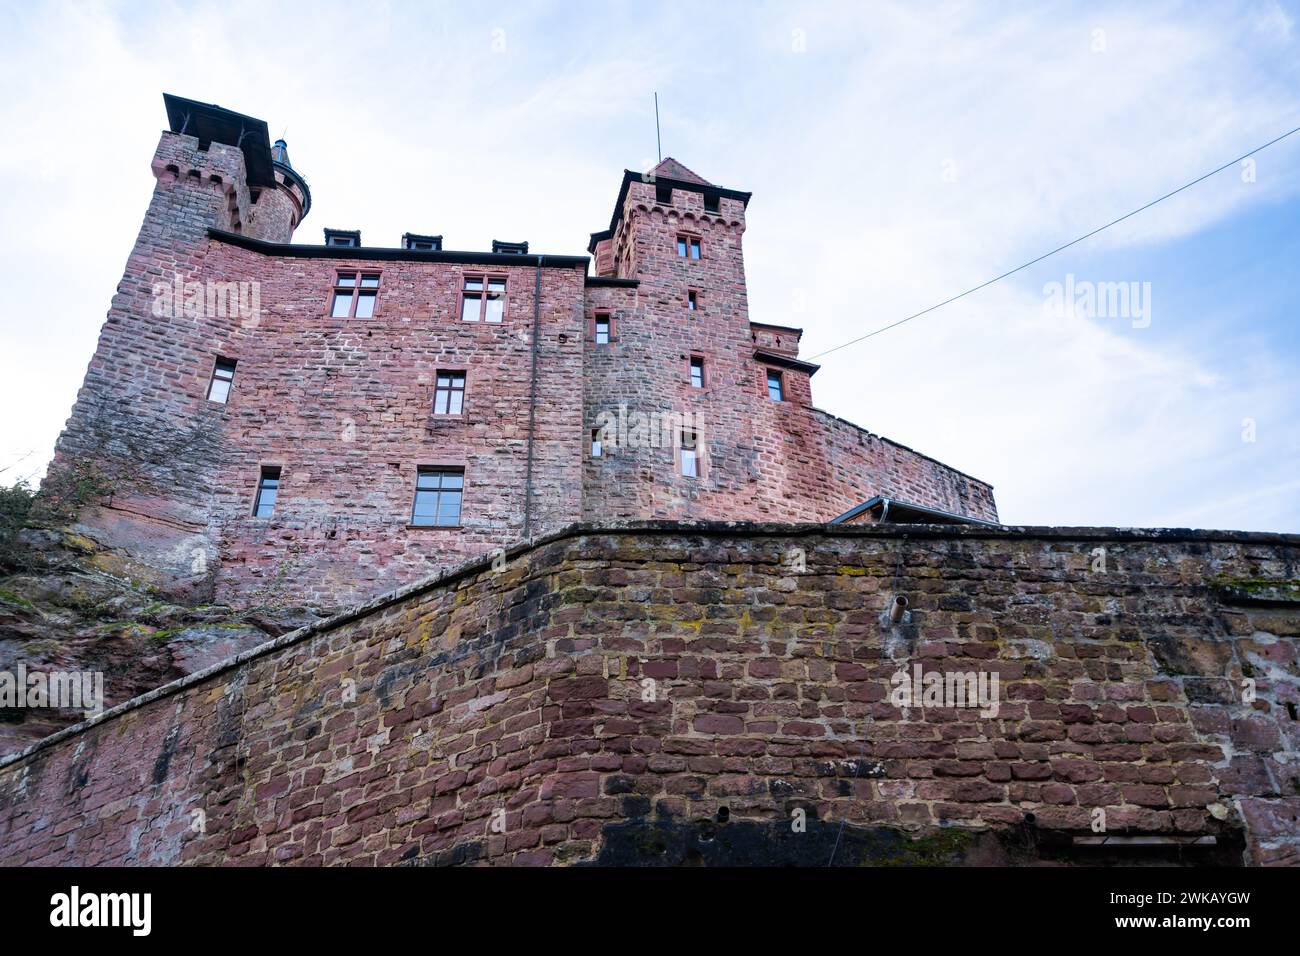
898,153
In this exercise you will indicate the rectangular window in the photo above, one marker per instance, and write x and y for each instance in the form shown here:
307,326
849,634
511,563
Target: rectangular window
688,247
664,194
690,456
774,389
268,485
223,376
697,372
692,299
355,299
602,328
449,395
710,202
597,445
483,299
437,497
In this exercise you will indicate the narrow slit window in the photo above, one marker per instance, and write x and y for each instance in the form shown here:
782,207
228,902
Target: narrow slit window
602,328
483,299
597,444
438,493
449,394
775,389
223,377
697,372
692,299
268,486
690,455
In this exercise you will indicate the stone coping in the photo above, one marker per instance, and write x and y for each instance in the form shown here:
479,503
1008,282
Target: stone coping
708,528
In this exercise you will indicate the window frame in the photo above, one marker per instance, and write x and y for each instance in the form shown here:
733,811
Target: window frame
596,446
691,243
264,474
696,360
596,319
697,459
780,384
421,471
341,288
482,295
217,366
451,391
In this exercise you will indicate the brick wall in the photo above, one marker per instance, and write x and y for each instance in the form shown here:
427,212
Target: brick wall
500,715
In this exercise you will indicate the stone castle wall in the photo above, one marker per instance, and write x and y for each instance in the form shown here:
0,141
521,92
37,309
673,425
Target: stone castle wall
344,407
671,693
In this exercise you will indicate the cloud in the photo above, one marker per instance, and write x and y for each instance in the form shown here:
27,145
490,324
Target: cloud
898,154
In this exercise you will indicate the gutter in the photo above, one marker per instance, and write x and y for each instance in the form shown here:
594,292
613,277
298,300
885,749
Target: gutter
532,398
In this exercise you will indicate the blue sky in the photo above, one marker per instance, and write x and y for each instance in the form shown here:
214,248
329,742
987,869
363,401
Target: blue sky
898,154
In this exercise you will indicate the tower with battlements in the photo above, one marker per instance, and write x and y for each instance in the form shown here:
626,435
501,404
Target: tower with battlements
315,423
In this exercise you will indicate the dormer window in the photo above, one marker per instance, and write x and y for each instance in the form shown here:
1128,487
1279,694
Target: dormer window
343,237
510,248
421,243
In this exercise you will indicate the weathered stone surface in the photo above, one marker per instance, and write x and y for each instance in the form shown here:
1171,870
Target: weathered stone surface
368,740
344,407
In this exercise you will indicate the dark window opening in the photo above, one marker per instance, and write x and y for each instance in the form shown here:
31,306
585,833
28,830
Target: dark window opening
710,202
449,394
438,494
597,444
223,377
663,194
692,299
268,486
697,372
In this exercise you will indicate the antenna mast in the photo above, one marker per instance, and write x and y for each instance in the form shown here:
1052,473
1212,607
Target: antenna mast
658,143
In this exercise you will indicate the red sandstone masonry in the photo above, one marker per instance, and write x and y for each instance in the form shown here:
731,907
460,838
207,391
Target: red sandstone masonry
344,406
521,691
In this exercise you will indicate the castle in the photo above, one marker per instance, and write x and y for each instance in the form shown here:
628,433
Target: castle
328,421
616,661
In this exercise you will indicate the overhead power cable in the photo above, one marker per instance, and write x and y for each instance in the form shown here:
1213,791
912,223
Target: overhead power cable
1060,248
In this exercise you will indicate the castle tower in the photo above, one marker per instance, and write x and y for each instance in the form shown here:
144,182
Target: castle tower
145,437
277,211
